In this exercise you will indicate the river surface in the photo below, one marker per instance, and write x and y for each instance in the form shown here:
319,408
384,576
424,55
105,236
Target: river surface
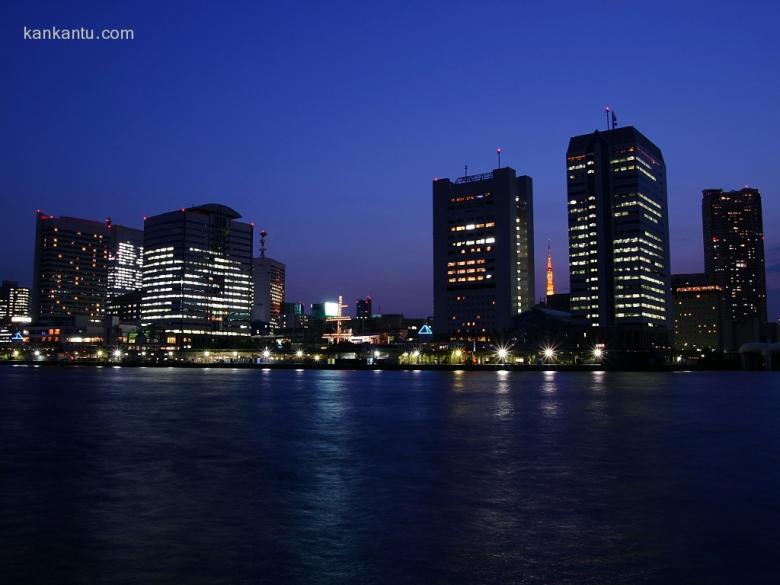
187,476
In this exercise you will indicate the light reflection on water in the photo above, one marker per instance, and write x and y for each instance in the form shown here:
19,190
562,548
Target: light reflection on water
231,475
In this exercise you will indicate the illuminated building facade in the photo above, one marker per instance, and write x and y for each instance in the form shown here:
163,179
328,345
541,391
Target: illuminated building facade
734,250
14,303
698,313
268,281
483,254
70,277
125,260
197,274
619,234
269,276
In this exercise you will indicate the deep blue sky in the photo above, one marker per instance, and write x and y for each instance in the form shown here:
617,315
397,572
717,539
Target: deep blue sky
325,122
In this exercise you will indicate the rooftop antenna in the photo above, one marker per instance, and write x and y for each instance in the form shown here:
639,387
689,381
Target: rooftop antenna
614,120
606,113
498,152
465,170
263,234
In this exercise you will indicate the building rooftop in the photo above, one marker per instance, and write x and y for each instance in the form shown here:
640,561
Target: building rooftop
622,135
217,208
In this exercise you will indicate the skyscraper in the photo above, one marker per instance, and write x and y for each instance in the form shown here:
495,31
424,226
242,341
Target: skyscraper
125,259
619,234
734,250
79,265
483,254
269,281
14,303
197,274
70,277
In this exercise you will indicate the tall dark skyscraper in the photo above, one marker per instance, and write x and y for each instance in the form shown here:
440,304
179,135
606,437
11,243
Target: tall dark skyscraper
70,277
619,232
734,250
483,254
79,265
197,276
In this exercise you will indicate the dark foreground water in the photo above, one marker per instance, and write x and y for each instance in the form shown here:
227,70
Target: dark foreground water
248,476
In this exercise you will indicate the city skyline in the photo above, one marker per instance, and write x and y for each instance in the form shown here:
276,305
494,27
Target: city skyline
340,176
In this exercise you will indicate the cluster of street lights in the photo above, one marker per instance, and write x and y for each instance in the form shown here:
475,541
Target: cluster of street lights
299,354
502,354
548,352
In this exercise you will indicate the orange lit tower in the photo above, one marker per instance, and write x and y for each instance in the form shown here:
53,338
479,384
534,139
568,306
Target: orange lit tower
550,277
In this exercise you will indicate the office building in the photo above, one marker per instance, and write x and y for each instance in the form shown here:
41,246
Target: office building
483,254
698,307
197,275
734,250
363,308
126,307
292,315
14,303
125,260
70,277
268,282
79,265
619,235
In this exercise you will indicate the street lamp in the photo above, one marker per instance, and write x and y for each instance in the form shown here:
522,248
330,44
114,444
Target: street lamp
549,354
299,354
502,354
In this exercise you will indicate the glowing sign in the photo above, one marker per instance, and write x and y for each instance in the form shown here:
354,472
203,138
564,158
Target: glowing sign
425,330
331,309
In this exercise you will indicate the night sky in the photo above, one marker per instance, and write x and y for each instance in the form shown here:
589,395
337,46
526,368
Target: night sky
325,122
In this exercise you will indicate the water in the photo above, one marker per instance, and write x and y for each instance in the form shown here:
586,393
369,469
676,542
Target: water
246,476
